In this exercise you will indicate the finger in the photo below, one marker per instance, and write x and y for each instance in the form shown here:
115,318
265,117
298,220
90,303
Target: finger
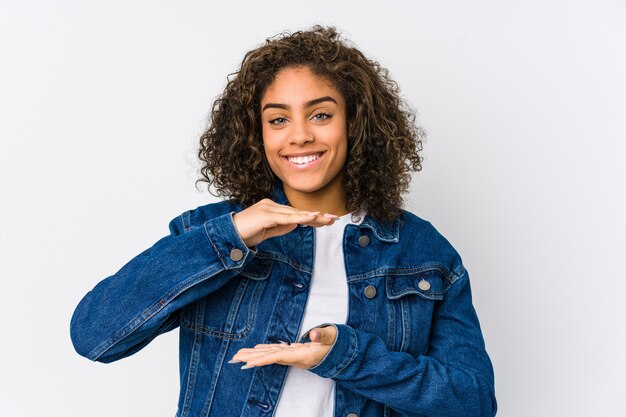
320,220
278,224
256,349
293,215
244,354
290,210
325,335
247,351
302,357
261,358
282,357
291,218
250,354
266,345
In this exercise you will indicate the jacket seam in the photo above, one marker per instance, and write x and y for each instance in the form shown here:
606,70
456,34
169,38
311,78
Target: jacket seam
219,255
210,332
405,271
251,319
274,257
142,317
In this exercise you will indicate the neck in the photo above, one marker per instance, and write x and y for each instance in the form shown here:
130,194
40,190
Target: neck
330,199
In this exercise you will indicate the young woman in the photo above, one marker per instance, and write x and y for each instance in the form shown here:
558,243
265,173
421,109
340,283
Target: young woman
310,291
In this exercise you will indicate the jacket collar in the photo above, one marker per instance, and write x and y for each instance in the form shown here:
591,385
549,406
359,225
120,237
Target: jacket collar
385,232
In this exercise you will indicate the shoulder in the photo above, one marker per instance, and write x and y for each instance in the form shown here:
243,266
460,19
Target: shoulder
428,247
201,214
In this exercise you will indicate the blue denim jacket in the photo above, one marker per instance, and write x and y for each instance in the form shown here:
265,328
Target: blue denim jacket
411,347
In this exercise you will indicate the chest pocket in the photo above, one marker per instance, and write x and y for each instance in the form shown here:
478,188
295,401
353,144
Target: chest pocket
412,299
230,312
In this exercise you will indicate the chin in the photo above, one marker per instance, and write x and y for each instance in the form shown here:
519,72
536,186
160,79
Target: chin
304,187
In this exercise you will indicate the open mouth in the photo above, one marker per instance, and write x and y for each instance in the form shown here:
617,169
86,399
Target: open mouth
304,160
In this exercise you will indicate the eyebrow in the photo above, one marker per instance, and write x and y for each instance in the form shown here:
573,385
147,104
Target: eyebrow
307,104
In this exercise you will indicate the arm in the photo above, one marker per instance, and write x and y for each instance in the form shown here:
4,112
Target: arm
125,311
455,378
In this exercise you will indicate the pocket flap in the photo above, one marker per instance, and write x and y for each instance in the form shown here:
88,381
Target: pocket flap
427,284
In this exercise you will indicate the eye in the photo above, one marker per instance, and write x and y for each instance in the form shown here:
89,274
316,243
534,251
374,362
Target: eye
278,120
322,116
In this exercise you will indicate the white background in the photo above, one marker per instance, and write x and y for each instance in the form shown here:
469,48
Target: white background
524,102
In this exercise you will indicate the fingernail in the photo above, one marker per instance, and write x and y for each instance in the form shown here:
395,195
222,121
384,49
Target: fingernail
314,213
234,361
330,216
246,366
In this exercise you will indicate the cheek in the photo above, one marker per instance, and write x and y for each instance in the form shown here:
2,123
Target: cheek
271,155
267,143
343,149
344,158
271,139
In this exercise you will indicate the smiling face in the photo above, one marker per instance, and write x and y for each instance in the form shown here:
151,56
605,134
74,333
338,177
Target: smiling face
305,137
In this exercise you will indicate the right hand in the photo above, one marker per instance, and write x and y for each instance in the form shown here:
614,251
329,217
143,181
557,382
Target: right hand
267,219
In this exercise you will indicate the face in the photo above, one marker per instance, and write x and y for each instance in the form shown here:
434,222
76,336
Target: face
305,132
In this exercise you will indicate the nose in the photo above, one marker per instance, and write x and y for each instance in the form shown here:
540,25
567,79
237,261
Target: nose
301,133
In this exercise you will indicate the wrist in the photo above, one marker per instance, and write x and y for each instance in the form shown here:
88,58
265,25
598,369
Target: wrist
245,242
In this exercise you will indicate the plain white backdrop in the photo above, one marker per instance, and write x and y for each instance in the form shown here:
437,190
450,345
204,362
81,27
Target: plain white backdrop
524,103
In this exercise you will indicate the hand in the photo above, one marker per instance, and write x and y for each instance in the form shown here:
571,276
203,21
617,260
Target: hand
302,355
267,219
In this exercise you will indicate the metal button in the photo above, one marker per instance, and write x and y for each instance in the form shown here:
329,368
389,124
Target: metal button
364,241
370,292
352,415
236,254
424,285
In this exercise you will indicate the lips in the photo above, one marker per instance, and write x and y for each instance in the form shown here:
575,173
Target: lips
304,161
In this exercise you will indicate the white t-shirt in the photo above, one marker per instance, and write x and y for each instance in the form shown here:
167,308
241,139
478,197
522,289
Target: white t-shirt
304,393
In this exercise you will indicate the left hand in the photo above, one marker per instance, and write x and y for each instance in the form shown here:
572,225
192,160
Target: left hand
302,355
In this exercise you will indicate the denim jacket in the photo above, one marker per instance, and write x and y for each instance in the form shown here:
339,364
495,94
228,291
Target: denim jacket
411,346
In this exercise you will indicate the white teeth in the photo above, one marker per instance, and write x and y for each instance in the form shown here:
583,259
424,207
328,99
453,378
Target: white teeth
303,159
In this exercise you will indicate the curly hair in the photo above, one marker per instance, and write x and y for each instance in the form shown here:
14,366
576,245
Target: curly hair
383,140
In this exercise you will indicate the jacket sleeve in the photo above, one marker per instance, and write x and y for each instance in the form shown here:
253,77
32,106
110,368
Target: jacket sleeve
455,378
125,311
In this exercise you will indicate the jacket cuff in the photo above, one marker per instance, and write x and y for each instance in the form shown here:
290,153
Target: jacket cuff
226,241
341,353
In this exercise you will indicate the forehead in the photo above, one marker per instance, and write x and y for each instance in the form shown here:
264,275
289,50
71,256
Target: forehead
299,84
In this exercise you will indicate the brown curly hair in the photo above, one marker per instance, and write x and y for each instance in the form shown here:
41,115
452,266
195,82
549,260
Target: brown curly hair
383,141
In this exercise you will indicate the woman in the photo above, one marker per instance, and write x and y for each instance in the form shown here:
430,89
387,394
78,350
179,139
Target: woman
309,291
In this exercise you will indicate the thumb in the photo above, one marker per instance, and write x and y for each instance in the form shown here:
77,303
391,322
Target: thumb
324,335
